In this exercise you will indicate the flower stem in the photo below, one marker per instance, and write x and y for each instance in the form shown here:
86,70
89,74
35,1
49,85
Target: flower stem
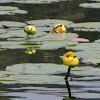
68,73
26,37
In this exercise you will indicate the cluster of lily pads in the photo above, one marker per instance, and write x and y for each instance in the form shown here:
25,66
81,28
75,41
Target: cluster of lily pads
44,40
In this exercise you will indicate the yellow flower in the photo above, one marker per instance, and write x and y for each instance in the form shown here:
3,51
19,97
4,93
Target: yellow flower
70,59
31,30
59,28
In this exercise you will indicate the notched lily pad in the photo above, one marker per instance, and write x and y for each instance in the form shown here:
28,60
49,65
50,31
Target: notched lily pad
10,10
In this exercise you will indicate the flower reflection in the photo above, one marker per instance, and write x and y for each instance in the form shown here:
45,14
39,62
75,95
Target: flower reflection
30,51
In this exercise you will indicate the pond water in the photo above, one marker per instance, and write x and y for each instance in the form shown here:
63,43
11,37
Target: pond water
81,87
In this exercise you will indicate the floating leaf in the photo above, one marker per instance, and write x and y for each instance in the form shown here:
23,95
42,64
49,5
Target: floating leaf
18,44
49,22
87,26
56,44
11,24
97,41
90,5
30,79
9,10
95,0
58,36
29,1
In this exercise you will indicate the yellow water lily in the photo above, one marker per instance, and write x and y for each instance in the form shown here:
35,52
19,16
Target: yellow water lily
70,60
30,30
59,28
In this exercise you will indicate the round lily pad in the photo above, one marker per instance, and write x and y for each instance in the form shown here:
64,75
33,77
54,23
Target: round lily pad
90,5
49,22
58,36
11,24
10,10
48,45
30,79
18,44
87,26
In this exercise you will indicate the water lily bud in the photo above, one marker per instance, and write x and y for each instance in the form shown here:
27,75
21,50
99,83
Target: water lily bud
70,59
31,30
59,28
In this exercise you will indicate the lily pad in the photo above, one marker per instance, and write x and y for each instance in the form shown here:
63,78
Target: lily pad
58,36
90,5
30,79
18,44
11,24
2,31
35,1
87,26
42,68
56,44
10,10
49,22
97,41
95,0
88,51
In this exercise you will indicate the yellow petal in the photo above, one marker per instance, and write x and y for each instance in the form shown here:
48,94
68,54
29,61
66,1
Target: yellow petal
67,60
70,53
74,62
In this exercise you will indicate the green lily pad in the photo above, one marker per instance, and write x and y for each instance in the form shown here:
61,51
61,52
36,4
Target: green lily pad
30,79
87,26
18,44
35,1
97,41
90,52
58,36
90,5
11,24
42,68
2,31
10,10
50,22
95,0
86,70
56,44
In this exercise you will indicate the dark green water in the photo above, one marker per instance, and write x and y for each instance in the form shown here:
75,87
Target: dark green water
82,87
